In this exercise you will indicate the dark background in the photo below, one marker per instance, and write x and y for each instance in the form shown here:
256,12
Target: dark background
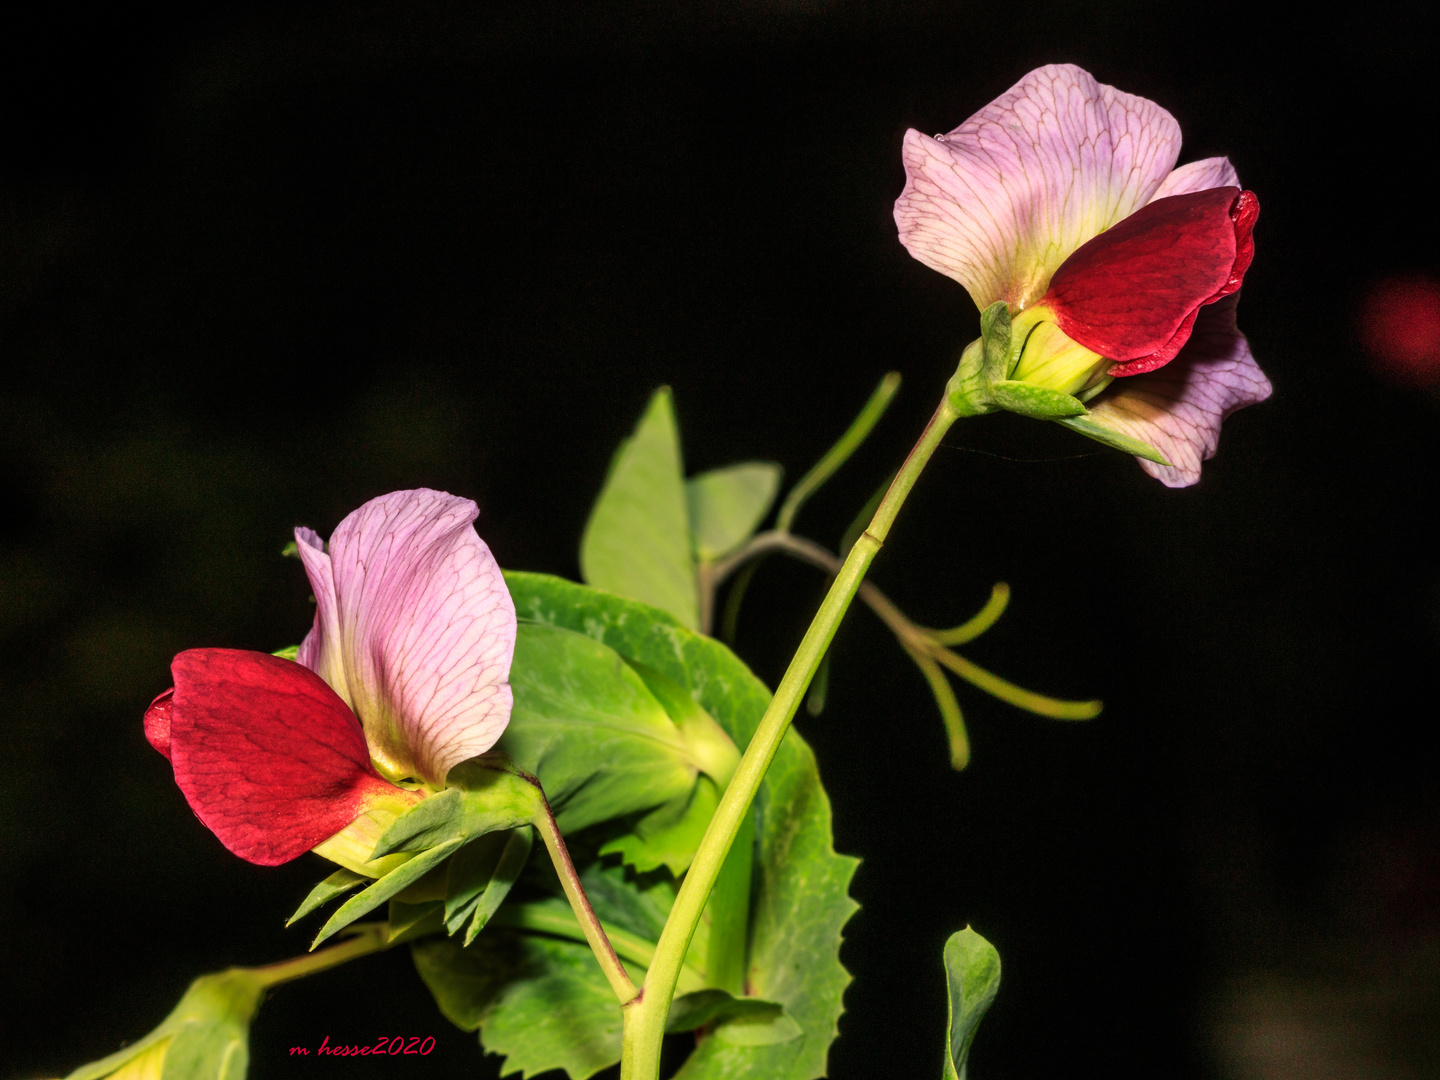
257,266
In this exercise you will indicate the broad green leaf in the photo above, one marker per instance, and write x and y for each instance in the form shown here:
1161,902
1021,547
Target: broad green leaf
1115,439
668,835
798,899
637,541
690,1011
342,881
588,727
727,505
972,973
540,1002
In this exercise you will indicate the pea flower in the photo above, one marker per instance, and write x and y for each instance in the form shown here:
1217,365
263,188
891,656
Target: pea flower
403,676
1118,272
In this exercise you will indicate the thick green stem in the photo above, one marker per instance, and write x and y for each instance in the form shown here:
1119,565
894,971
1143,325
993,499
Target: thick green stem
371,938
645,1015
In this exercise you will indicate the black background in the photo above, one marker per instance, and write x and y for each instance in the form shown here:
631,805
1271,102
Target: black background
259,265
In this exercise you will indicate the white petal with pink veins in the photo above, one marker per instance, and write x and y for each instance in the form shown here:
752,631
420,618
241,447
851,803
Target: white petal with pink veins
1000,202
1198,176
1178,408
422,633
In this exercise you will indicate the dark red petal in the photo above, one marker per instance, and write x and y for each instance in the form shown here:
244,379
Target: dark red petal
157,722
1131,293
269,757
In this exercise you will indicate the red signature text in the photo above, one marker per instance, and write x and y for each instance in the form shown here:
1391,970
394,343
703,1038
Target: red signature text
385,1046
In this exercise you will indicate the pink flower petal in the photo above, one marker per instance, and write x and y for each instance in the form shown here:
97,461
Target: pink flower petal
422,634
1198,176
1000,202
267,755
1179,408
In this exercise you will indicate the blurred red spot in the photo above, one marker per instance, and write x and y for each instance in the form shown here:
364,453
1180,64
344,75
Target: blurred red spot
1400,326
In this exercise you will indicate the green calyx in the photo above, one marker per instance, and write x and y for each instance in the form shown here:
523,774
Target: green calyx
982,383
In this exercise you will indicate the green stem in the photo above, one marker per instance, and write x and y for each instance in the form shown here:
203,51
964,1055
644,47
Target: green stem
645,1014
615,973
838,454
371,938
545,918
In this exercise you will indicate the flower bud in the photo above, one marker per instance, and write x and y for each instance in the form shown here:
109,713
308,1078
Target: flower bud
1050,358
205,1037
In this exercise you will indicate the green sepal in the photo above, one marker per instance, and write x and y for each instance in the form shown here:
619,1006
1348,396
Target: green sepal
409,922
469,872
208,1032
289,652
487,793
727,505
1038,402
342,881
392,883
1114,439
972,974
995,341
637,540
690,1011
507,871
968,390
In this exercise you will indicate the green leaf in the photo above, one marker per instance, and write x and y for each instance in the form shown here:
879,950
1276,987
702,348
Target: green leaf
727,505
538,1001
1038,402
690,1011
1114,439
972,973
637,541
798,899
342,881
590,729
668,835
289,652
384,889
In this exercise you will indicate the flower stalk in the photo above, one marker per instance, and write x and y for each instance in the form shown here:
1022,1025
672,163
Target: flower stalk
645,1014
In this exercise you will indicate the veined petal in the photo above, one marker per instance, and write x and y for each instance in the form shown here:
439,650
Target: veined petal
1179,408
423,633
1000,202
267,755
327,663
1199,175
